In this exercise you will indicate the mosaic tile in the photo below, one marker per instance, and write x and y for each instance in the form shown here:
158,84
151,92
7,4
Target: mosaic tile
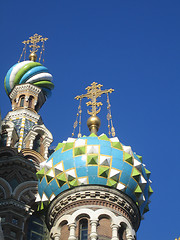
92,159
68,163
82,171
80,161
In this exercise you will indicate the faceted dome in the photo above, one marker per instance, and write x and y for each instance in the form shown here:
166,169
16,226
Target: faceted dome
29,72
94,160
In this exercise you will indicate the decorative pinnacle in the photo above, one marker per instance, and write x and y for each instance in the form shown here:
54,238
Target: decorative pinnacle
93,92
33,40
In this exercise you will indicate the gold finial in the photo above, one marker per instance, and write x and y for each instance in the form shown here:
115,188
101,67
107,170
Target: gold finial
33,40
93,92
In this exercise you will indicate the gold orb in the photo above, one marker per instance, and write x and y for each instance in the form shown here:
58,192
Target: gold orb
33,56
93,124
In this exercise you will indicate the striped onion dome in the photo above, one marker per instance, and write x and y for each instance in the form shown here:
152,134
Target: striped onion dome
95,160
29,72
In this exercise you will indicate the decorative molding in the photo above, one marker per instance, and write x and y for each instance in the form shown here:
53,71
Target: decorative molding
94,196
37,157
24,87
21,113
14,203
94,215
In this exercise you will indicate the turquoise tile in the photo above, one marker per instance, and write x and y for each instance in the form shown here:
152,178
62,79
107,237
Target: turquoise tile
93,180
127,168
68,163
130,194
43,183
92,171
102,181
68,154
60,149
48,191
92,141
64,187
82,171
58,191
117,163
105,143
105,150
132,184
80,161
58,157
53,185
116,153
124,178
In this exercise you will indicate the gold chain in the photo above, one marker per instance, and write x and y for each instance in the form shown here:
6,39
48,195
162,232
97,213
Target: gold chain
78,120
111,128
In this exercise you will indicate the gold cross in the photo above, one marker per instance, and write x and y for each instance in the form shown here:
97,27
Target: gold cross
34,40
93,92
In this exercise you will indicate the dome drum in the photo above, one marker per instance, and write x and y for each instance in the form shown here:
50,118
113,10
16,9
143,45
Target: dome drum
93,197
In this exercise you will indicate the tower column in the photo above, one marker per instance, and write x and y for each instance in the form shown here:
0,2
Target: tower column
33,136
114,231
93,234
9,137
46,142
129,235
72,235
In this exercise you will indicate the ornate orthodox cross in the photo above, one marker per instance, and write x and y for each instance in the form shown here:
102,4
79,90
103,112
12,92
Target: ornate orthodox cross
33,41
93,92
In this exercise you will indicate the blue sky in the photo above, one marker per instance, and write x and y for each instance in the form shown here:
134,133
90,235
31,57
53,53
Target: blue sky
132,46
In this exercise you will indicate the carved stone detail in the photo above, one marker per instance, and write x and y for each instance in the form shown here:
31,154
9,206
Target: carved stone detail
94,196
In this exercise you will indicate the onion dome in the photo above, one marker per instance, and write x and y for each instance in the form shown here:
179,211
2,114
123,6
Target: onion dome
94,160
29,72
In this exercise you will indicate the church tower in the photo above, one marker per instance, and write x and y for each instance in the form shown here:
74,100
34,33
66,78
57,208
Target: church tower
90,188
93,187
24,141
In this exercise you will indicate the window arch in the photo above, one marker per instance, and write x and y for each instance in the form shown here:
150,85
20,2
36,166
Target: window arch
30,101
22,98
37,143
122,232
83,229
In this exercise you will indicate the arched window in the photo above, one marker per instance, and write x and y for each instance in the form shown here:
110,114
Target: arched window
83,229
30,102
37,143
22,101
122,232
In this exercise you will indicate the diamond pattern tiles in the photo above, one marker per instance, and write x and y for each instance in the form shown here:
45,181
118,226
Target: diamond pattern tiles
94,160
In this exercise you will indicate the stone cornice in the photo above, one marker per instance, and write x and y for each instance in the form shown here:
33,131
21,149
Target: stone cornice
14,203
24,87
20,113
